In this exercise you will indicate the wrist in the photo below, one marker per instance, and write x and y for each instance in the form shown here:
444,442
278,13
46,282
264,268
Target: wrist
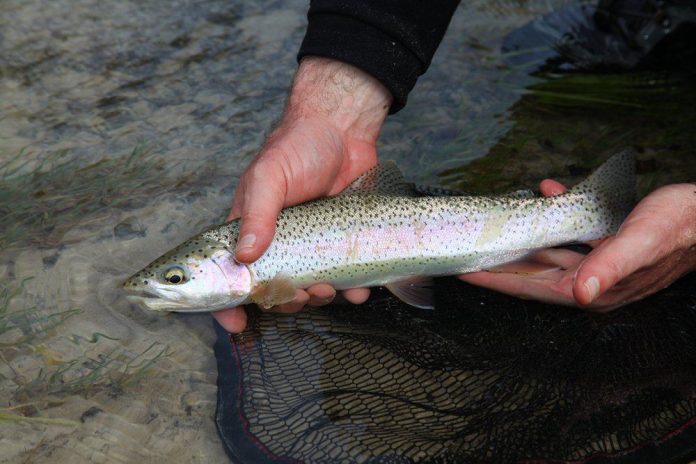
344,96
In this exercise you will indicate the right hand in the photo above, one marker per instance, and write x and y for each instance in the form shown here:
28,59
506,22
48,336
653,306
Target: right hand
325,140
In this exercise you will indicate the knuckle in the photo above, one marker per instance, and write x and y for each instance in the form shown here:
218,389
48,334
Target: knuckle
253,217
614,269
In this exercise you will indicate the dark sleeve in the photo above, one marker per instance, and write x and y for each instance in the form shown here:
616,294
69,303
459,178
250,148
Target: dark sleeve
393,40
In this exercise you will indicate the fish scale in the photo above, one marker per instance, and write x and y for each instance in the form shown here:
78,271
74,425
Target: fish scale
378,233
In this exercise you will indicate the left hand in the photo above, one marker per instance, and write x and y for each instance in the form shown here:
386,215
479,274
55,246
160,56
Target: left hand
654,246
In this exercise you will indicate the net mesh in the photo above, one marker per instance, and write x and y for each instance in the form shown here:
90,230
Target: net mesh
482,378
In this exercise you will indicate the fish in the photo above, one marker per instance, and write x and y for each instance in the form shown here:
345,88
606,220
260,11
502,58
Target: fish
379,232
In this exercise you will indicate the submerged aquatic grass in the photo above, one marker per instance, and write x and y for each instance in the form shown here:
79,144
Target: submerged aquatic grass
27,336
566,124
40,202
114,371
23,327
646,91
9,417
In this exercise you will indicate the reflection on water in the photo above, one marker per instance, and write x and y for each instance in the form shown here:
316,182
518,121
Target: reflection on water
123,128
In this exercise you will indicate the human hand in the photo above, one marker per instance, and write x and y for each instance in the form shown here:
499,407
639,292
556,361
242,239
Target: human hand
325,140
654,246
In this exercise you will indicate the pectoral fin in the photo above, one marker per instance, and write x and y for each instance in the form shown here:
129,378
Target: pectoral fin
277,291
416,291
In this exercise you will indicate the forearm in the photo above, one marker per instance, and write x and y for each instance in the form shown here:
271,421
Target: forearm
344,96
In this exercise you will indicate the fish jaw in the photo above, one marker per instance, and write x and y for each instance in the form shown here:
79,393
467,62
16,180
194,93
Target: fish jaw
159,305
155,303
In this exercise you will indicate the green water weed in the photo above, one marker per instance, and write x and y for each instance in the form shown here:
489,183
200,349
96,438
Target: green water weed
27,333
40,202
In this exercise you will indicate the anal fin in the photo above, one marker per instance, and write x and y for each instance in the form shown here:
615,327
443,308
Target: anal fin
416,291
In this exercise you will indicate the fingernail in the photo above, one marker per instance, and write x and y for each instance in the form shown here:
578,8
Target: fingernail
592,286
247,241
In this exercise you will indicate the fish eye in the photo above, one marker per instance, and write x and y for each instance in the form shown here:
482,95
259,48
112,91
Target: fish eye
175,275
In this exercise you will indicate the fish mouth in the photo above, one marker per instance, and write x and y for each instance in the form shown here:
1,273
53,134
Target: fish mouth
155,302
141,293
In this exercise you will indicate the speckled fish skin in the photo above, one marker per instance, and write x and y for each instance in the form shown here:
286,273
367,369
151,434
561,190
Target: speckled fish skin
376,235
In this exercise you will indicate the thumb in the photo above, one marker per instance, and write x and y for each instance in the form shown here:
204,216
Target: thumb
616,258
263,199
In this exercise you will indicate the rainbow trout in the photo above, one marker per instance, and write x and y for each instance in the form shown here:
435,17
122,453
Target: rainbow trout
377,232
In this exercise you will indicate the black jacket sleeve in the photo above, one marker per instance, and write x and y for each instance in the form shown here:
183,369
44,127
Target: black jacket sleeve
393,40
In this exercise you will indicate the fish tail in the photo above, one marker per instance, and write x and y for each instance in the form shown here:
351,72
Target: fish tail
611,189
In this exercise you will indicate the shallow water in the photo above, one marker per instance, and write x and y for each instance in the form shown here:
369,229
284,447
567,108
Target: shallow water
123,129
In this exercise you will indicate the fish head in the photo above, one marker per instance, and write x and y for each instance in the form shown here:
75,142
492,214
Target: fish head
199,275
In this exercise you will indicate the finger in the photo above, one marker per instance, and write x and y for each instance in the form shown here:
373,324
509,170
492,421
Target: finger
300,301
547,290
233,320
321,294
566,259
356,295
550,188
596,243
616,258
264,197
541,262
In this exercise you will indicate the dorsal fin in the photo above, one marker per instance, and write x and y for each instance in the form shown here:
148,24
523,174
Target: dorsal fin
519,194
384,179
435,191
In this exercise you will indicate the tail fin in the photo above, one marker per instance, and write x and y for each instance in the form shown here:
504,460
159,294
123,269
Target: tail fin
613,187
